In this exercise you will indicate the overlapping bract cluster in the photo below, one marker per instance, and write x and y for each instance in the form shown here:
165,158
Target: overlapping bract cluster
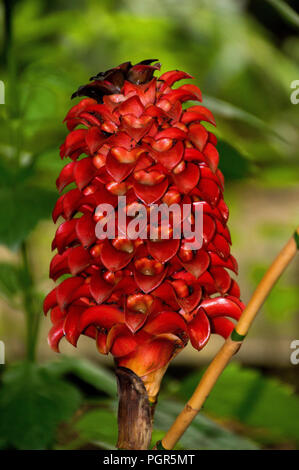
143,299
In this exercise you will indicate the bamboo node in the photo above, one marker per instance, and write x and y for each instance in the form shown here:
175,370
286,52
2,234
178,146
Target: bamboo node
235,336
190,408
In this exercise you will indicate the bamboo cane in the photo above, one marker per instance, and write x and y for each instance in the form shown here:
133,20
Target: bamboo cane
231,345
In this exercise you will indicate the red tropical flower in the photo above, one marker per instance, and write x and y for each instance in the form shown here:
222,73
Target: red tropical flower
140,299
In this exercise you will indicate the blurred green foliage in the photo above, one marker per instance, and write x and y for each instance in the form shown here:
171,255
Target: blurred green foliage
267,406
32,403
49,49
283,301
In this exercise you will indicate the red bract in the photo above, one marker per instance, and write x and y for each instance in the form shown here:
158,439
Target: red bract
141,300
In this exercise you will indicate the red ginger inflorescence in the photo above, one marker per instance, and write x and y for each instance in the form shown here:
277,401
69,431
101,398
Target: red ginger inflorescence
143,299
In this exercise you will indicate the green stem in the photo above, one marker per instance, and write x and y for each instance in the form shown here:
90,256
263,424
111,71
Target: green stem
32,318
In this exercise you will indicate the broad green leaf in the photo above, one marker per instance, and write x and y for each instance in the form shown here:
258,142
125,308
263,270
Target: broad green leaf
203,433
259,402
21,207
32,404
232,163
93,374
98,426
230,111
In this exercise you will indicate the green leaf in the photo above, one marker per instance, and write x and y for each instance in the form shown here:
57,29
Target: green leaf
233,164
290,15
99,427
93,374
263,403
21,207
32,404
203,433
230,111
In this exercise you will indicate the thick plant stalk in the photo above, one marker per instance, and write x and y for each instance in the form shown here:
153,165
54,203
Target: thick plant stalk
138,398
231,345
134,412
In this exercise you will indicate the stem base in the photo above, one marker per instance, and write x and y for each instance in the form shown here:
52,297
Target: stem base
134,412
